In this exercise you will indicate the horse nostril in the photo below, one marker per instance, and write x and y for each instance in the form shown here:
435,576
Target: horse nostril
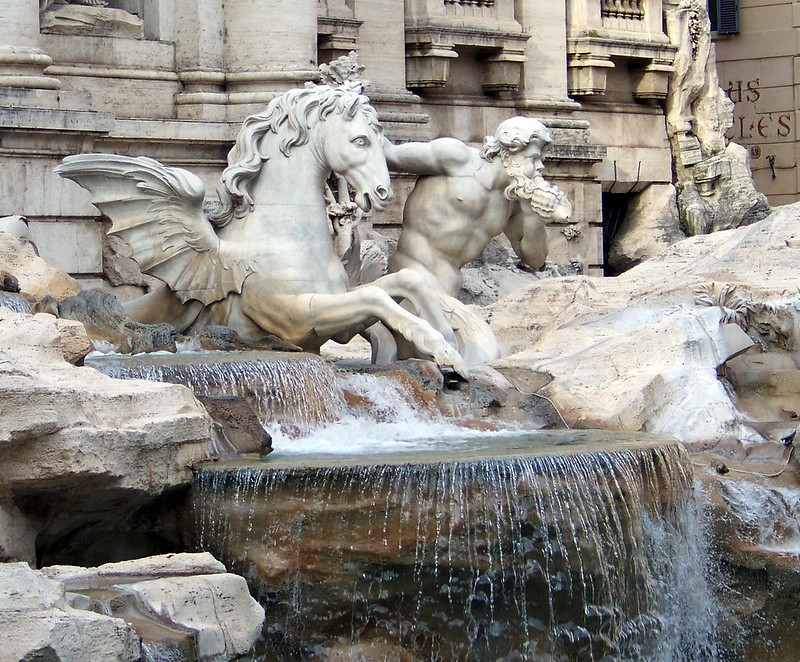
383,193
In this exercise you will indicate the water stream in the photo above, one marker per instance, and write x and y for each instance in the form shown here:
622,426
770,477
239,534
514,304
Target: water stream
379,530
546,546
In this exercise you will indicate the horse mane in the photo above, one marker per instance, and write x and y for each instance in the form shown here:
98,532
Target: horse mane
290,118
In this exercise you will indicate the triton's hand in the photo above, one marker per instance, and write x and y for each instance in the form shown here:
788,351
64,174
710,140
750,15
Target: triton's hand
544,201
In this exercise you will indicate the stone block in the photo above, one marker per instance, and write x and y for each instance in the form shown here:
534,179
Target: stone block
217,608
66,636
76,578
36,278
775,99
24,589
72,246
17,535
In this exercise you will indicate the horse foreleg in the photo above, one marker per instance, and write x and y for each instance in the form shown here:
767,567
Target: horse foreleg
460,326
419,290
332,314
161,305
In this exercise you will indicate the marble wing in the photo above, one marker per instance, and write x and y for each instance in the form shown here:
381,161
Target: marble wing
158,210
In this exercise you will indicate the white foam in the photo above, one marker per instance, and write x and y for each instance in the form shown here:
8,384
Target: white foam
390,421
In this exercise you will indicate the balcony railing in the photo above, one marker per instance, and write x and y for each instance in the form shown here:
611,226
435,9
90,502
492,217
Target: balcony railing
627,9
471,3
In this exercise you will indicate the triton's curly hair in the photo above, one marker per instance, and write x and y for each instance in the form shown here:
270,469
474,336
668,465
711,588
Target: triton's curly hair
289,117
514,135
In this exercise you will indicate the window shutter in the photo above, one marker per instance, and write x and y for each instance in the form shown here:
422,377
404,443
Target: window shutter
727,16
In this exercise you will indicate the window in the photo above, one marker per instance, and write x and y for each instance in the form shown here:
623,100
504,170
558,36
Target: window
724,15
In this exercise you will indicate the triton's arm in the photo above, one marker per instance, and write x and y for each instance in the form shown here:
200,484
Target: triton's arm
443,156
528,236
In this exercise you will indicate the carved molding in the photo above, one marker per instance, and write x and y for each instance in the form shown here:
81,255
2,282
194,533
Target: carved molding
336,36
600,33
429,49
337,29
590,58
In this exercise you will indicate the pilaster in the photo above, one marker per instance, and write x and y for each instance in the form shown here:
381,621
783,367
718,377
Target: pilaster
270,46
22,62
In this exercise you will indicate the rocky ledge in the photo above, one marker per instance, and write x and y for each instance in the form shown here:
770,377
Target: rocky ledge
183,605
81,453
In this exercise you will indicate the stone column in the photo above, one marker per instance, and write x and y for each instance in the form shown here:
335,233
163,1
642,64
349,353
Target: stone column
271,46
544,74
22,63
200,58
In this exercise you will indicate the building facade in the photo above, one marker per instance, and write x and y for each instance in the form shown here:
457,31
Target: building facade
173,79
758,68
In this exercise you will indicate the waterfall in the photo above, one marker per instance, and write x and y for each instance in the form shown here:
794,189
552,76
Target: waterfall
296,392
15,303
766,517
379,529
552,546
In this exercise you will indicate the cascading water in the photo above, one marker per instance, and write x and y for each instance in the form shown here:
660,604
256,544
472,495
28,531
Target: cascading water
766,518
379,530
546,546
295,391
15,302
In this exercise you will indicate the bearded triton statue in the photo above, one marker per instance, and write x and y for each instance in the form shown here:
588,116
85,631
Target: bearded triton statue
261,259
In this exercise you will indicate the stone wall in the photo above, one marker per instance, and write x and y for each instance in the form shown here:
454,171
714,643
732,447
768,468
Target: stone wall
177,86
757,70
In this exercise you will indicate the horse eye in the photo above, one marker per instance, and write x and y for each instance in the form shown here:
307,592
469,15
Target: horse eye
361,141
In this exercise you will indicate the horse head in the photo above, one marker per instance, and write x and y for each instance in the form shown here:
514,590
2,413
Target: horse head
337,123
352,146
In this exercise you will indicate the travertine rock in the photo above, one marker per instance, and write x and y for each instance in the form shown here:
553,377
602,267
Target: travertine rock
170,597
77,578
36,278
118,265
190,593
23,589
650,225
237,424
715,186
78,448
36,623
106,320
217,609
732,200
642,351
17,534
74,341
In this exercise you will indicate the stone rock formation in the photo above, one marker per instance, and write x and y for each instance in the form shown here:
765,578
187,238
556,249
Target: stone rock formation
35,277
106,321
715,189
644,351
237,424
37,623
75,443
651,224
175,603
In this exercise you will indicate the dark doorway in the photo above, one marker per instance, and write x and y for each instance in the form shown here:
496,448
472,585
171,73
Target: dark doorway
615,209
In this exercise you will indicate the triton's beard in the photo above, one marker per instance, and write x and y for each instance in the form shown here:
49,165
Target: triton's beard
543,198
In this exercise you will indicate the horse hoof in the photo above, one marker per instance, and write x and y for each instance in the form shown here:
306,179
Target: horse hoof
453,381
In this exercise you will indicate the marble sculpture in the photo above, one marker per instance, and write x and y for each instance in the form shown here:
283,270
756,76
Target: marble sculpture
261,260
465,197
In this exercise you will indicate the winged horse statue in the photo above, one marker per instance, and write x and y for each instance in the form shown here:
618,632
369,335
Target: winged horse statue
261,259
